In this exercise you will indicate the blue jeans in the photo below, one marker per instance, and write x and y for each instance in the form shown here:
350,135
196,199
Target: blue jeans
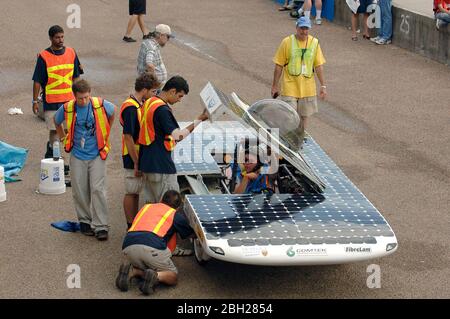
386,19
444,17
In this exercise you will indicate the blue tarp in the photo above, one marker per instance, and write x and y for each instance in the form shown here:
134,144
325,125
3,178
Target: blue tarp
327,9
12,159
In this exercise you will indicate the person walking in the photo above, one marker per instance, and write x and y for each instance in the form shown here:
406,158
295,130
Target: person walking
298,58
130,117
89,120
57,67
137,10
149,58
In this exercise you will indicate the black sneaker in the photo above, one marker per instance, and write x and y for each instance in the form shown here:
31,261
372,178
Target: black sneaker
66,170
49,151
86,229
101,235
122,281
146,36
150,280
128,39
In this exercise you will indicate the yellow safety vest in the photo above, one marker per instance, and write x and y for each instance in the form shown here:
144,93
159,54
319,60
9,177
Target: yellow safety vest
301,60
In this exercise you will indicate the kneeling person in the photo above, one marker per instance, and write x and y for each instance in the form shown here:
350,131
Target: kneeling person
147,246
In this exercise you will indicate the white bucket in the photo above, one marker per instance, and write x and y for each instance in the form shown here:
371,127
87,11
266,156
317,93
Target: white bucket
2,184
52,177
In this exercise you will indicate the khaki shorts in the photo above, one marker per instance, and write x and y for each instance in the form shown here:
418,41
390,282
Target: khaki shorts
133,184
157,184
49,120
146,257
306,106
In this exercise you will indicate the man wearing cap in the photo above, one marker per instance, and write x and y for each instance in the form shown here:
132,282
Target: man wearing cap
149,59
298,57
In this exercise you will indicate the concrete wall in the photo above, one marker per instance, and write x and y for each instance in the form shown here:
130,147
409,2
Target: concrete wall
411,31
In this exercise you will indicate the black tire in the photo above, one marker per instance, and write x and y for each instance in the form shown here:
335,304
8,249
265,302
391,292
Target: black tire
198,252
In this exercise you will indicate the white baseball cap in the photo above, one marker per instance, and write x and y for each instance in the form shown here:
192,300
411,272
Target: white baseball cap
164,29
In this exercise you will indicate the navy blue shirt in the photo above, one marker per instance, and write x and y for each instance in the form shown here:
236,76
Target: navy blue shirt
154,158
180,225
131,127
40,75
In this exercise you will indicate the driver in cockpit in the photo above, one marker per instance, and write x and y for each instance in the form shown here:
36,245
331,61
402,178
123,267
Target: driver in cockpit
252,178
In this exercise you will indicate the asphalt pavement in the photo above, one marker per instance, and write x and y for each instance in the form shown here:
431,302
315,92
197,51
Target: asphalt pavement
385,123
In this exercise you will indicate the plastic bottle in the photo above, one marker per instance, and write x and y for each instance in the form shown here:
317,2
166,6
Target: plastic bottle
56,151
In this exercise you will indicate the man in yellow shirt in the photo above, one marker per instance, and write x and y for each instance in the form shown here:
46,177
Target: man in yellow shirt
298,58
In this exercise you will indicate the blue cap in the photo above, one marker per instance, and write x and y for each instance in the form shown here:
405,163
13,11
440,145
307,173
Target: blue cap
304,22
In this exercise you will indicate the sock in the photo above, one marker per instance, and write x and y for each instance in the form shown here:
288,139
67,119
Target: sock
319,14
308,14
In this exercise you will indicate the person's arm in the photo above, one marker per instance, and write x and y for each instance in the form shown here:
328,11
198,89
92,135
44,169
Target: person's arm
276,80
443,9
180,134
149,61
36,91
240,189
320,76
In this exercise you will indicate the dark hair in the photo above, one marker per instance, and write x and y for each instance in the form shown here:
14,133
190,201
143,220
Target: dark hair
146,81
172,198
55,30
81,86
178,83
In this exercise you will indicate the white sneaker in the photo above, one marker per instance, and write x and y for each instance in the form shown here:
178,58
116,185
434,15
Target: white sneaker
300,12
374,40
318,21
382,41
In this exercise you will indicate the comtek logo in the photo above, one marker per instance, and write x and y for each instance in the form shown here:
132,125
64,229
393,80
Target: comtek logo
358,250
290,252
306,252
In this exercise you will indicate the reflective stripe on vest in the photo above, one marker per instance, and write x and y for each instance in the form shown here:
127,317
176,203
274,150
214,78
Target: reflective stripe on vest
155,218
60,69
147,133
102,127
295,60
130,102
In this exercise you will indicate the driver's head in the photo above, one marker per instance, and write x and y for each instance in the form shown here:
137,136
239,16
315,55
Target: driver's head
251,159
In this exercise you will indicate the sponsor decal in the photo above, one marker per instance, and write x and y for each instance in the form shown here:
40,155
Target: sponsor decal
44,174
56,177
264,252
291,252
254,251
358,249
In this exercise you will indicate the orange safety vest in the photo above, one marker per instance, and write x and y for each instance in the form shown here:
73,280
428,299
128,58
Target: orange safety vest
102,127
147,133
60,70
130,102
156,218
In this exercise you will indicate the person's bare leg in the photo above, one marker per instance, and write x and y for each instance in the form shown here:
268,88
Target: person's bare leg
142,25
354,26
318,5
131,25
130,206
307,8
366,26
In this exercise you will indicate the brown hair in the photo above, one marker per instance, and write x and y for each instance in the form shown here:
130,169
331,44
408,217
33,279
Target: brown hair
147,81
81,86
172,198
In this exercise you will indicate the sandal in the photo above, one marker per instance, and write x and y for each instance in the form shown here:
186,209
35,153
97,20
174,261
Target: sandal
284,9
355,38
367,37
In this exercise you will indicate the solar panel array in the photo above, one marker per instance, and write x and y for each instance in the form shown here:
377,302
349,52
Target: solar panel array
342,214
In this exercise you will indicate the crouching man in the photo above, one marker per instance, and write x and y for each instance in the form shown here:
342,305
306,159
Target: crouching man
149,242
88,120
